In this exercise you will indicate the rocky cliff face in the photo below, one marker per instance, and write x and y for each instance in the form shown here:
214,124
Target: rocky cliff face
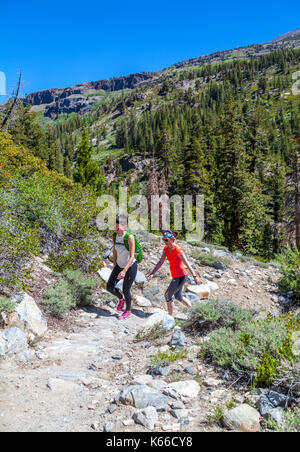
77,98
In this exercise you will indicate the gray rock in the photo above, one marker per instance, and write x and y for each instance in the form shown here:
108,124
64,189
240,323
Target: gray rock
62,386
142,396
277,415
178,338
146,417
27,316
221,253
278,399
142,302
178,405
242,416
160,316
108,427
153,293
219,266
112,408
264,406
179,414
104,273
140,278
108,252
26,356
182,390
192,297
159,371
12,341
189,370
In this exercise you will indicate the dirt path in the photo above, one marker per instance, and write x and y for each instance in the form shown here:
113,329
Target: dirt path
70,383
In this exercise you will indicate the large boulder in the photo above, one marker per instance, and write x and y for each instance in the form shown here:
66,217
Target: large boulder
242,417
202,290
104,273
160,316
143,302
27,316
142,396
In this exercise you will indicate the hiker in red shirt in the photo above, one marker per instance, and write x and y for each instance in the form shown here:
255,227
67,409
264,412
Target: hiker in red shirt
178,262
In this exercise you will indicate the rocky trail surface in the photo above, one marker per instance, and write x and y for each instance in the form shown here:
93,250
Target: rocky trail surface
73,379
90,374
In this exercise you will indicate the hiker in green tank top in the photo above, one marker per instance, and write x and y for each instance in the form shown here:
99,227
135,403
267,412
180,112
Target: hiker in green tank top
125,260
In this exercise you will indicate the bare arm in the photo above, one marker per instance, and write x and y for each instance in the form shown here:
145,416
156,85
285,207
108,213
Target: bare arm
158,265
186,263
115,256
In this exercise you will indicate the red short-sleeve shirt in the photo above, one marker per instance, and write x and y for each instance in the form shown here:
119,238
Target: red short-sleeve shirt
176,264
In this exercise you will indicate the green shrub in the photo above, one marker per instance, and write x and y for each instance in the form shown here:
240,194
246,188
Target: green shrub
256,350
156,333
290,270
82,287
290,423
59,298
42,211
216,314
6,305
165,358
74,289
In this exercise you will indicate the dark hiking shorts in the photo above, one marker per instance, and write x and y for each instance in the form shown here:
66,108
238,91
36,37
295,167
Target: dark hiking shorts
175,288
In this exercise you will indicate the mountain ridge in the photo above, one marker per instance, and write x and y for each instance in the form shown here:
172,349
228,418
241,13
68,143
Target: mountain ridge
82,97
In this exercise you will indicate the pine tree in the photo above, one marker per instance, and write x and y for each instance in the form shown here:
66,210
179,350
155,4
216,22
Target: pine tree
86,170
240,199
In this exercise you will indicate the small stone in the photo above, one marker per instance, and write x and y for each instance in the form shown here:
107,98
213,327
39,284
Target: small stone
159,371
178,338
212,382
112,408
128,422
108,427
178,405
146,417
179,414
189,370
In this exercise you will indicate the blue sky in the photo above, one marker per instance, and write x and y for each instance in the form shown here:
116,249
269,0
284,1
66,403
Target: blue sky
62,43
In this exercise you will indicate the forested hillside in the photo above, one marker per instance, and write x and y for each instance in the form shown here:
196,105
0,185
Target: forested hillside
228,130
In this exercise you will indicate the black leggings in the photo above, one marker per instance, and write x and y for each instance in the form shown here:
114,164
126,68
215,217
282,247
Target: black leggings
175,288
127,283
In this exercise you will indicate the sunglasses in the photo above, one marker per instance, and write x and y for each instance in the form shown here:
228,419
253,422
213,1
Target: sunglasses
166,240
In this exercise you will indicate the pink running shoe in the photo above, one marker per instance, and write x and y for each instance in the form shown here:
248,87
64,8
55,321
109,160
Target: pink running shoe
121,304
125,315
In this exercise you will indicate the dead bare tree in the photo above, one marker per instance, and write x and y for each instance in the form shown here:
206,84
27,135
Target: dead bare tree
13,104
